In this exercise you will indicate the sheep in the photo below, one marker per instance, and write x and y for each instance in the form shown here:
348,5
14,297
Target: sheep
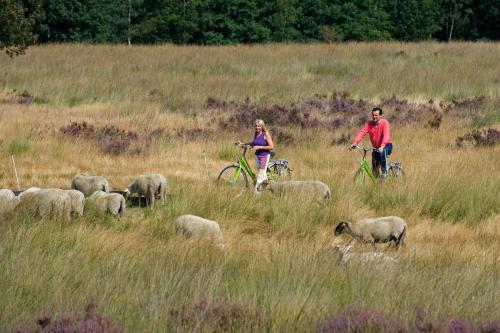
376,230
149,186
195,226
31,189
77,202
112,203
89,184
364,257
315,189
161,192
46,203
8,202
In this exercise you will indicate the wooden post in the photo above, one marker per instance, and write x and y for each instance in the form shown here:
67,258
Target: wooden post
15,170
206,168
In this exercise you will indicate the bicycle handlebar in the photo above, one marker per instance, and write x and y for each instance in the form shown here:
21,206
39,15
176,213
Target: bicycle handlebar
365,149
244,146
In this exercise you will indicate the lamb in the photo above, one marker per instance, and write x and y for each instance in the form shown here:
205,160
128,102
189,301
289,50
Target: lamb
195,226
315,189
112,203
89,184
77,202
364,257
46,203
8,201
376,230
149,186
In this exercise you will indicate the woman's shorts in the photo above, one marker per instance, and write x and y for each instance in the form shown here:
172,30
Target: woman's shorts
261,161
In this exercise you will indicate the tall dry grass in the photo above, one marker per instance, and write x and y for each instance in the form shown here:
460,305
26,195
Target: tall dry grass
280,260
180,77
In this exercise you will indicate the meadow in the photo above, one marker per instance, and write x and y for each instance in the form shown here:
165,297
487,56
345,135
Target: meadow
121,111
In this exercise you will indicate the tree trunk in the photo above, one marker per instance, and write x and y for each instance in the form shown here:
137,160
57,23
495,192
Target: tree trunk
129,22
451,29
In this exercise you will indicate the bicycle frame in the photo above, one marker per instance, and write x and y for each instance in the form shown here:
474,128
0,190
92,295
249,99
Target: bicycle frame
364,166
243,165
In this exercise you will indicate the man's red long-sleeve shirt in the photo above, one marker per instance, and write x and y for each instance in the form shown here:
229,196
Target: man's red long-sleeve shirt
379,133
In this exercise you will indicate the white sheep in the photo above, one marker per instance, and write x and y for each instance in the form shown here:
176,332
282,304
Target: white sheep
376,230
77,201
364,257
195,226
149,186
112,203
46,203
161,192
89,184
8,201
31,189
314,189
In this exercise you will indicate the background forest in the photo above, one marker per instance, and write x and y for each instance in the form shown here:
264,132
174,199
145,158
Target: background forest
216,22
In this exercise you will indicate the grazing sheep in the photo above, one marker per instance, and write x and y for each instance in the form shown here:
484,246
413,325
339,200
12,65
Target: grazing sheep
149,186
8,201
46,203
314,189
77,201
112,203
195,226
7,193
376,230
31,189
89,184
161,192
364,257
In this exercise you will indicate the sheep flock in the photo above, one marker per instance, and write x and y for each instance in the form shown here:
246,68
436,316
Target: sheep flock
87,192
94,193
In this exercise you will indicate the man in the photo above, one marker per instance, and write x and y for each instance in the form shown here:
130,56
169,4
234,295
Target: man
380,137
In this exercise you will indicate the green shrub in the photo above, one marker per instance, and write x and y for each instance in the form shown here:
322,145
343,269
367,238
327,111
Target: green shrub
18,145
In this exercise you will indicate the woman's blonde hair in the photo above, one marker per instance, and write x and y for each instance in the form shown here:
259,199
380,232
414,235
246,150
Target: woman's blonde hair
261,123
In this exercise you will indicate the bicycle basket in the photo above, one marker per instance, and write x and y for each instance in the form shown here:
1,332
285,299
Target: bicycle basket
395,164
279,162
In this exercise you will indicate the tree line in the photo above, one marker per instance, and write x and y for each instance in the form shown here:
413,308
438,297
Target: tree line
217,22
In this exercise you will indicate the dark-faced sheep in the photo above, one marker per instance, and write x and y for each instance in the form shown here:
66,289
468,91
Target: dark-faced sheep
376,230
312,189
89,184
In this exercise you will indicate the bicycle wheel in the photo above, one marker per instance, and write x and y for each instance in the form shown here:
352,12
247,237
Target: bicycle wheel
230,182
396,170
360,176
279,172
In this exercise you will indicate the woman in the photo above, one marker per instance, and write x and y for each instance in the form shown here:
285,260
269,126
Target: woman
262,144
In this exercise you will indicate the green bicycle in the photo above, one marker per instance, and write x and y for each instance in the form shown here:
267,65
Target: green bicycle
394,169
234,178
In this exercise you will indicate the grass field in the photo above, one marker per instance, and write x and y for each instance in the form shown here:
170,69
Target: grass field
183,107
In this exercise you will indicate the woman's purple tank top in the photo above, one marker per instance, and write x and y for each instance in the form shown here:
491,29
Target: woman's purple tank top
260,140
